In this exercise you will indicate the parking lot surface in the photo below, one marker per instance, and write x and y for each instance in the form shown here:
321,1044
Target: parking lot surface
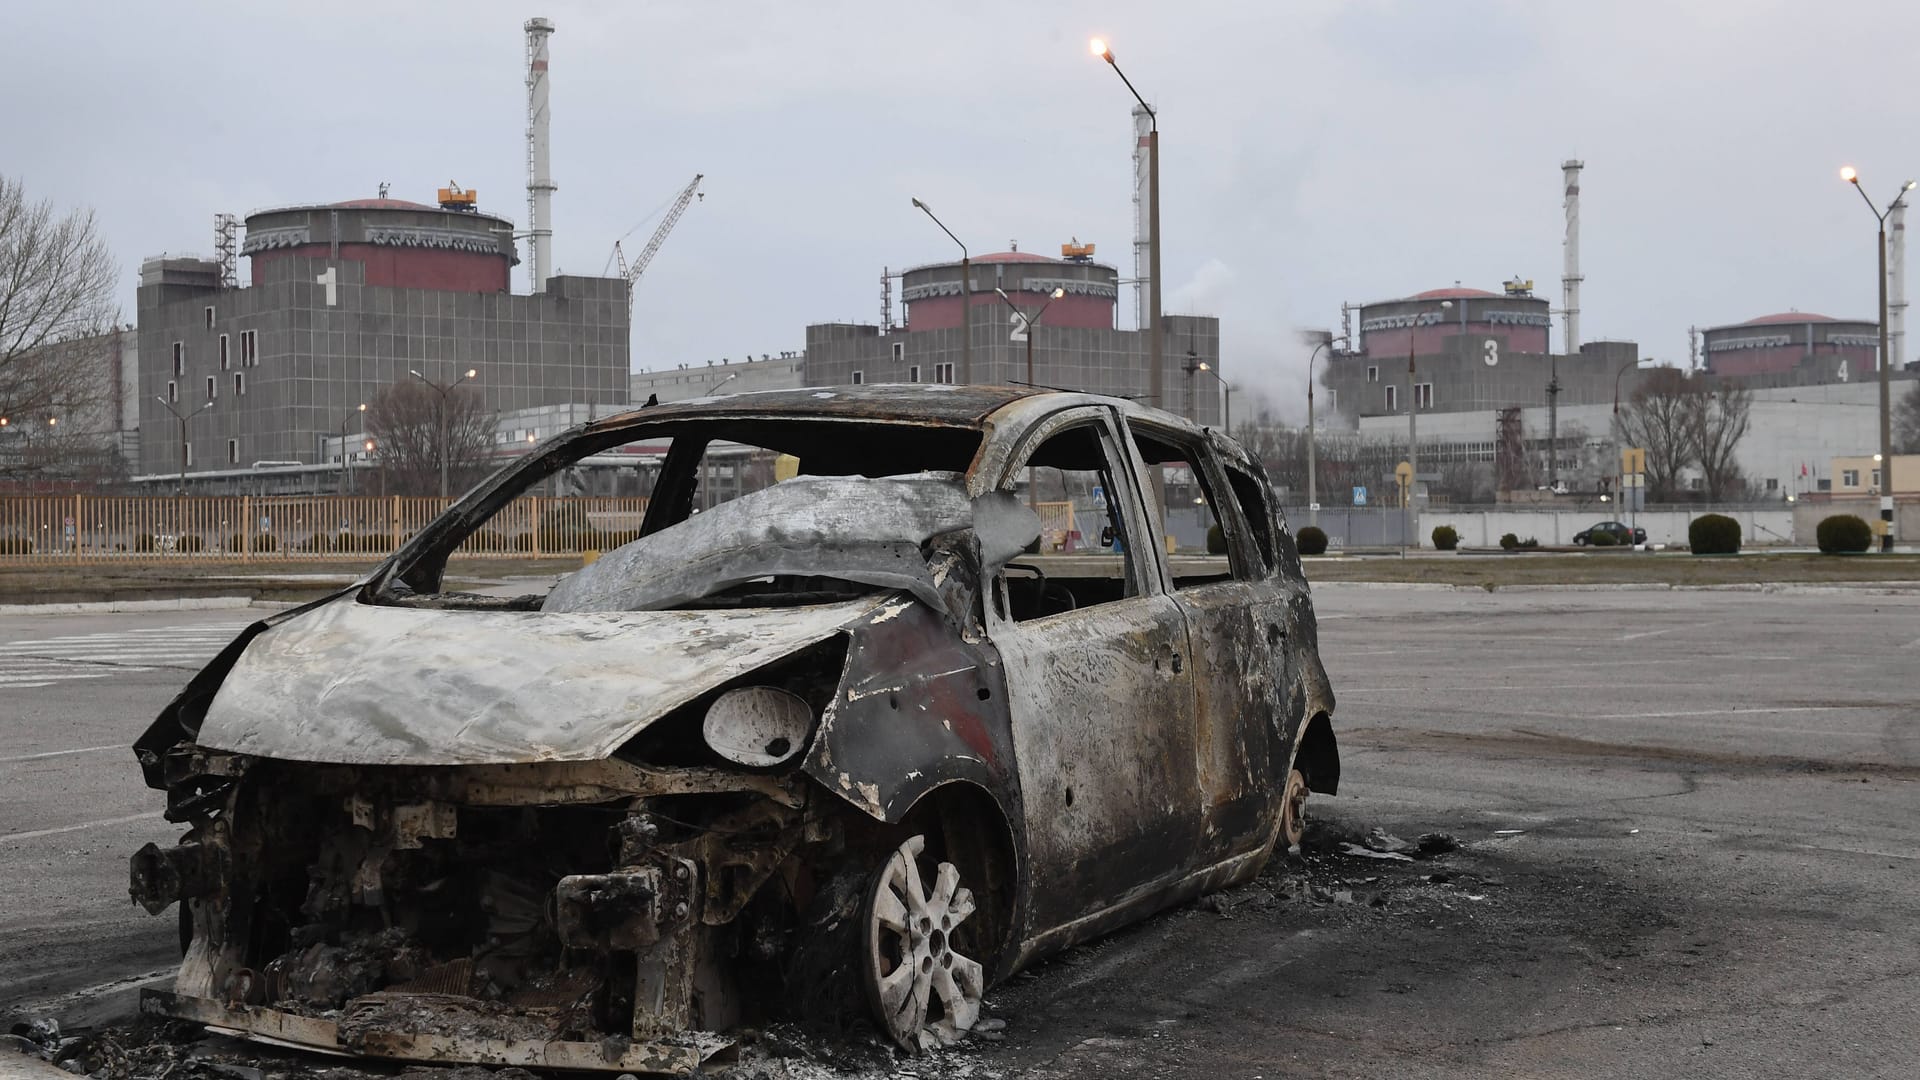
1690,824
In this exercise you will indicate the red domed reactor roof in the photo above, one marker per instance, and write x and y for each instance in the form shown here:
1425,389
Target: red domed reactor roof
1012,257
381,204
1454,293
1788,317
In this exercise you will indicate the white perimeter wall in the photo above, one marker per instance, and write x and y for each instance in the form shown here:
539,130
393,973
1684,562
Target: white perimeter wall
1556,527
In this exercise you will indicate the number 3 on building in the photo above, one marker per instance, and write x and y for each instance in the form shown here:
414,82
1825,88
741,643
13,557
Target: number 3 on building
1493,352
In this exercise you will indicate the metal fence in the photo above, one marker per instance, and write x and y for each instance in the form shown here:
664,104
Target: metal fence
88,528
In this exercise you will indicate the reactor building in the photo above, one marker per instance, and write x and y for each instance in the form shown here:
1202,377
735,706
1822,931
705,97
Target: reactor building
961,329
344,300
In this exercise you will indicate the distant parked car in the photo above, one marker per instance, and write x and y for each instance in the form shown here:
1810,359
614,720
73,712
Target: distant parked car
1622,535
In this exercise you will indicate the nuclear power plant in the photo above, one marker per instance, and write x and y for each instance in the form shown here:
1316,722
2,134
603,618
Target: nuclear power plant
260,382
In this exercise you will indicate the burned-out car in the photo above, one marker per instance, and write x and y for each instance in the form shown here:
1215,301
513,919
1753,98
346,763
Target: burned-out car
922,703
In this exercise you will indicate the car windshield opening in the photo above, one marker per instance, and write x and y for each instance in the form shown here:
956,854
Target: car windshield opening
652,514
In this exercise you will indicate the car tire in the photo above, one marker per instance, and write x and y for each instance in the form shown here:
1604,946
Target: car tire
923,993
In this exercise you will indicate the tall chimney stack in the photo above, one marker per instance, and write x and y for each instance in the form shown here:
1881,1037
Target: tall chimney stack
1142,205
1897,284
1570,277
540,185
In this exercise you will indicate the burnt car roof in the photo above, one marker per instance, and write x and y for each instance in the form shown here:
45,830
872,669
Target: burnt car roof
967,405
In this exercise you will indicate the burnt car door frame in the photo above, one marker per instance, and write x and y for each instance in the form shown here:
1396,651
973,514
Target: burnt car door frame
1245,681
1097,698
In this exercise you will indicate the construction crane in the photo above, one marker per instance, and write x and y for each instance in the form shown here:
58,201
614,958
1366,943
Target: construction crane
632,273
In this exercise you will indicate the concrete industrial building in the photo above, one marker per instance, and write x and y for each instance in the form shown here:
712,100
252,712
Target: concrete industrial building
89,433
1794,347
1789,448
345,299
1076,344
772,371
1471,350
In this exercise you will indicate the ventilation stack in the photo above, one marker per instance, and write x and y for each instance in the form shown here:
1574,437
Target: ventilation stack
540,185
1142,211
1570,278
1897,284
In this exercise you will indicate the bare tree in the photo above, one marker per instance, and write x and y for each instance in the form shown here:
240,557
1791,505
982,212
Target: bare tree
404,422
1662,419
1720,420
1906,421
56,313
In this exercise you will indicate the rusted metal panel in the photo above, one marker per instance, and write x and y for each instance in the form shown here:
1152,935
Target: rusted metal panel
918,707
364,685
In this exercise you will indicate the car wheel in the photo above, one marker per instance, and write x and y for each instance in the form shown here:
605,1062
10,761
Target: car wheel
1293,810
923,992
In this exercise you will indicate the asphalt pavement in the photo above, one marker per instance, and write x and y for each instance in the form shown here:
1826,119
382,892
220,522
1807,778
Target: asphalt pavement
1691,827
75,691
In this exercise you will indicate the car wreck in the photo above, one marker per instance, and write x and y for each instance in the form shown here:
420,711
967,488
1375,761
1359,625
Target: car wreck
858,742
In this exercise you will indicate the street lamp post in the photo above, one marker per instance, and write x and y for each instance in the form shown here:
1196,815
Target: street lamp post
445,393
346,476
1155,377
1620,489
1413,431
182,418
1852,176
1194,365
966,296
1226,407
368,446
1313,490
1028,322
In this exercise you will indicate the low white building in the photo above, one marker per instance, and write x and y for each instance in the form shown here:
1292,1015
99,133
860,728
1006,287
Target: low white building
1794,433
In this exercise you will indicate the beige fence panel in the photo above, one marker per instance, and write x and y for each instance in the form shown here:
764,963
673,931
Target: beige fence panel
49,529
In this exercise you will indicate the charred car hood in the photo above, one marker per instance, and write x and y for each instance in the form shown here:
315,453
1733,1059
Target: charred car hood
359,684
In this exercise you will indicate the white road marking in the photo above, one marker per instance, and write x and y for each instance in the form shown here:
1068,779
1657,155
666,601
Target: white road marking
151,815
60,753
1735,711
1346,690
42,662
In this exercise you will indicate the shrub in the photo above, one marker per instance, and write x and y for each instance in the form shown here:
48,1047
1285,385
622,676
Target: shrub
1311,541
1216,540
145,542
261,542
1844,534
1602,539
15,545
1509,541
1445,538
188,544
1530,543
1714,534
318,542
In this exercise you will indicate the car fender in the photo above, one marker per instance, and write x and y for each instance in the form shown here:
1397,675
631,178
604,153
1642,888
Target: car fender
918,706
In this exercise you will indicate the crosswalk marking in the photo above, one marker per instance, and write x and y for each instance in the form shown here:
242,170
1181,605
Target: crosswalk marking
42,662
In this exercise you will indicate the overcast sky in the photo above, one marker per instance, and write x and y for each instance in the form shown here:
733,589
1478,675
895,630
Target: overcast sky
1312,152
